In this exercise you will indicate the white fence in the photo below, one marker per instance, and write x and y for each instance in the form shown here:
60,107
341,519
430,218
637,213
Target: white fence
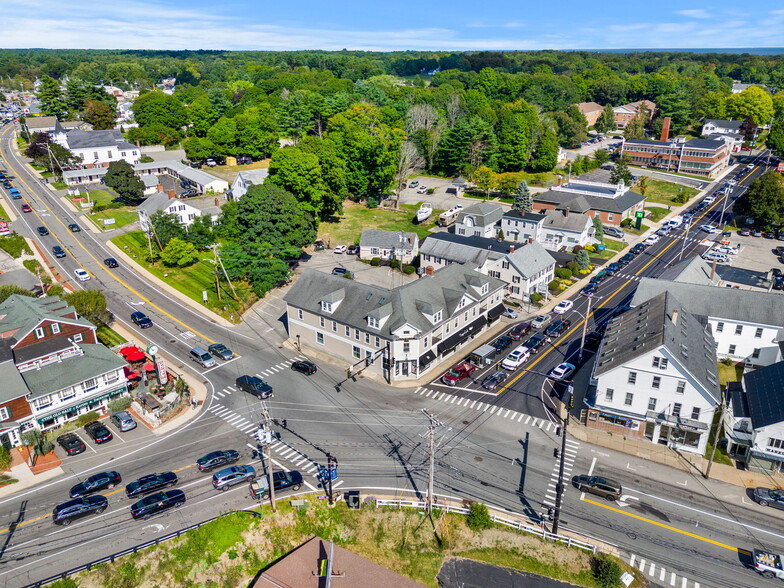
518,525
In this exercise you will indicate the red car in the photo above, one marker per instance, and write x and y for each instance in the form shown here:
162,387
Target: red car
520,331
457,373
26,208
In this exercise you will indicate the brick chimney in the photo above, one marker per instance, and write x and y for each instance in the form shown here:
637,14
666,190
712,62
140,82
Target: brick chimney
665,134
160,187
217,202
172,194
511,249
566,211
430,270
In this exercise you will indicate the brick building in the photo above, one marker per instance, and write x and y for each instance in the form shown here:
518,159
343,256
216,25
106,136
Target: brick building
704,157
612,203
591,111
626,112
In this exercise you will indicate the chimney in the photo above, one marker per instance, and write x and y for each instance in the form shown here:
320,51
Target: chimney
172,194
675,314
566,211
530,240
665,134
429,270
217,202
511,249
713,270
160,187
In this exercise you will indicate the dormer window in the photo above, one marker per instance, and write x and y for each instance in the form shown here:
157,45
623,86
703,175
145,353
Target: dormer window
326,306
437,317
484,289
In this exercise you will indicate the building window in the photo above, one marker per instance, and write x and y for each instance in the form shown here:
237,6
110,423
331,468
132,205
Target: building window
755,354
406,347
720,327
90,384
738,329
300,314
632,378
373,322
378,342
676,409
731,350
656,382
776,443
681,387
40,333
660,362
629,399
78,338
758,333
326,306
348,331
55,328
610,216
608,394
367,338
437,317
320,338
5,413
335,326
321,321
695,413
122,153
651,404
356,334
356,352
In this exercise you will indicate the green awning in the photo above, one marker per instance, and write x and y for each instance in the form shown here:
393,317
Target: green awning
78,405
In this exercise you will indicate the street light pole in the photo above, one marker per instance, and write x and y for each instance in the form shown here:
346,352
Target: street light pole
559,488
585,328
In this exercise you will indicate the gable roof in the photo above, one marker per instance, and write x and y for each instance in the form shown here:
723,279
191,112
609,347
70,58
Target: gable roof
588,107
692,270
40,122
747,306
530,259
563,220
589,197
765,394
485,213
531,217
388,239
79,139
661,321
13,384
253,177
21,314
154,203
725,124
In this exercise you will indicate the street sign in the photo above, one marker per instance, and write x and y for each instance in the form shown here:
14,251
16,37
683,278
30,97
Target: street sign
328,474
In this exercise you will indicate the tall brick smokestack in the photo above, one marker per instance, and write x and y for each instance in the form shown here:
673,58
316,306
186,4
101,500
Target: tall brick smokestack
665,134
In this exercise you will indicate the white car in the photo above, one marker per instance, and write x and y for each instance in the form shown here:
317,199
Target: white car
515,359
651,240
81,275
709,199
421,189
716,256
726,250
563,306
709,229
562,371
510,312
340,249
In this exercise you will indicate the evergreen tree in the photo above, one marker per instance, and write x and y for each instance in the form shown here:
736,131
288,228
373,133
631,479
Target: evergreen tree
582,260
523,201
621,173
51,97
606,121
598,228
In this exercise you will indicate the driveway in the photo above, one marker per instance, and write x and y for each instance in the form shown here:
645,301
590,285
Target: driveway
365,273
439,199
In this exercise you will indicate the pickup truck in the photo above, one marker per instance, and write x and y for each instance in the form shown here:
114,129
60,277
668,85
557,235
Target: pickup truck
457,373
768,564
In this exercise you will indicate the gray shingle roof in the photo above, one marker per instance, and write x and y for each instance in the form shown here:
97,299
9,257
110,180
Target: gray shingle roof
441,291
557,219
584,202
485,214
23,313
13,384
154,203
748,306
78,139
254,177
765,394
649,326
388,239
725,124
692,270
530,259
527,216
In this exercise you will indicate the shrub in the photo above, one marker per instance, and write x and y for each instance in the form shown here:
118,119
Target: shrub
727,361
536,297
572,265
146,159
373,202
40,444
86,418
375,262
97,207
431,190
563,273
122,403
627,222
577,248
394,264
409,269
606,571
590,248
478,518
348,276
5,458
554,285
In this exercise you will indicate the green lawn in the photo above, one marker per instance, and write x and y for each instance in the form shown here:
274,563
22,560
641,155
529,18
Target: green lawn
192,280
109,336
656,213
121,216
14,245
357,217
613,247
729,373
662,192
633,231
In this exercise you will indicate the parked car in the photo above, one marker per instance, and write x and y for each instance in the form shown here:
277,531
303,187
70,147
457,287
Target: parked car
58,251
541,320
637,249
590,289
65,512
26,208
95,483
74,228
211,162
340,249
459,372
81,275
255,386
221,351
216,459
502,343
150,483
280,480
609,489
598,278
189,193
110,262
71,443
413,184
613,232
562,371
98,432
744,232
517,358
612,268
304,367
123,420
43,231
651,240
534,343
519,331
510,313
494,380
421,189
563,306
756,233
773,497
353,250
141,320
627,259
156,503
557,328
231,476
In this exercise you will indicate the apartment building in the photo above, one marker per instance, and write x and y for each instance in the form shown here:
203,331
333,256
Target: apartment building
704,157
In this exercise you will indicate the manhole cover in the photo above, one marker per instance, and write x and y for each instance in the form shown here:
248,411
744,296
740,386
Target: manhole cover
465,422
477,458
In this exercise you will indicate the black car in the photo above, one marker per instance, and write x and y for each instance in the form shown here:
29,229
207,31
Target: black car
58,251
156,503
71,443
216,459
95,483
255,386
589,290
612,268
352,250
65,512
778,283
599,278
150,483
304,367
74,228
593,340
534,343
110,262
43,231
220,350
637,249
339,271
141,320
98,432
492,381
502,343
520,331
557,328
628,258
280,480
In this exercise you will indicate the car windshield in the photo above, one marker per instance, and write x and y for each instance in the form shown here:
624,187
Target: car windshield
776,494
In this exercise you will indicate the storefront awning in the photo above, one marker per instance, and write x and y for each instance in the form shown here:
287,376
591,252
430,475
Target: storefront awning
495,312
451,342
427,358
768,456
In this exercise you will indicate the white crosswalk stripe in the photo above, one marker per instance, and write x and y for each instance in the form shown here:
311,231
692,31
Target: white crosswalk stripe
657,572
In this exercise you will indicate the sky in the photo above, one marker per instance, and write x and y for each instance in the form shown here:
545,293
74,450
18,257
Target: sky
390,25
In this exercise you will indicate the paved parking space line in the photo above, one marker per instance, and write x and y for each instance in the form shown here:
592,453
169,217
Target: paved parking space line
453,399
227,392
231,389
528,420
219,394
473,403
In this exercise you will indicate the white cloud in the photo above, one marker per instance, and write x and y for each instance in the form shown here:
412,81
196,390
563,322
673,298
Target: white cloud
697,13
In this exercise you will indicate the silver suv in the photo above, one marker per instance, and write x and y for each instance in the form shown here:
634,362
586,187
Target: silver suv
231,476
123,420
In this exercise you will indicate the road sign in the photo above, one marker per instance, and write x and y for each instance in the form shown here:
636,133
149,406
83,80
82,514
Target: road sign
328,474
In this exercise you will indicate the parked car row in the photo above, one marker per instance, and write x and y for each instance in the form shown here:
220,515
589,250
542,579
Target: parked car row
72,444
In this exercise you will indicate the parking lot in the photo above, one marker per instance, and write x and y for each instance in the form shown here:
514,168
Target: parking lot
750,267
136,437
382,276
439,199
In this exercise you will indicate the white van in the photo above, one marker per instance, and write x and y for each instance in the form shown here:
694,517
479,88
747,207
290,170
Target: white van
675,222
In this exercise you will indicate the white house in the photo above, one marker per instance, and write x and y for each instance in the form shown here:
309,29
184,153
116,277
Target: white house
244,180
754,421
388,245
98,148
185,211
564,229
714,126
748,326
656,377
524,268
521,227
479,220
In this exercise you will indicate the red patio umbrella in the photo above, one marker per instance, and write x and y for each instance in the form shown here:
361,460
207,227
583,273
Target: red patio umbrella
131,374
129,349
149,367
138,355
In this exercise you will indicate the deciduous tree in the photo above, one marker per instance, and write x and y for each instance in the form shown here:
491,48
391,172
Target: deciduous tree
179,253
157,107
752,102
98,114
546,154
91,304
764,200
166,227
121,178
485,179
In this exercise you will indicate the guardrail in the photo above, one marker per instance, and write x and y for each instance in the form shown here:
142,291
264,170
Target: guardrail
514,524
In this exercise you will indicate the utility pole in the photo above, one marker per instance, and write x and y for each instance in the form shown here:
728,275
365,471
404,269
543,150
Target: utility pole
265,430
431,434
585,328
560,487
715,437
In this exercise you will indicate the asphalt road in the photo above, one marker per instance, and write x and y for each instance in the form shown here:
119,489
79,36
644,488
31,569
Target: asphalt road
485,451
